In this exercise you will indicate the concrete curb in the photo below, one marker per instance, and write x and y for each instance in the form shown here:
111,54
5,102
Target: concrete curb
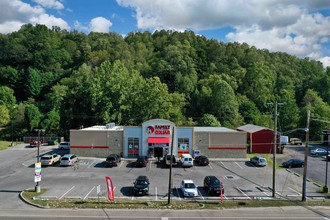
27,201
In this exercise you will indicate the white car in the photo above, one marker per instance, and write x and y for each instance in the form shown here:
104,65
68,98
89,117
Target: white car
64,146
68,160
189,188
50,159
187,160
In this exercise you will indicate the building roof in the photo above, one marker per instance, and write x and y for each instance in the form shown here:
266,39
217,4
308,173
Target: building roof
252,128
213,129
102,127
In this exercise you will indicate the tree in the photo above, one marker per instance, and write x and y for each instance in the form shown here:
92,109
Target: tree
4,115
32,117
209,120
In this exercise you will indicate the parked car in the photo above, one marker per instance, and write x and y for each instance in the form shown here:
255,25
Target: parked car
293,163
142,161
167,160
319,152
186,160
212,184
64,146
68,160
141,185
202,160
295,141
50,159
112,160
189,188
34,143
258,161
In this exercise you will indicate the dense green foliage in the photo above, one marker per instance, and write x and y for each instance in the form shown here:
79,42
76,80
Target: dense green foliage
61,80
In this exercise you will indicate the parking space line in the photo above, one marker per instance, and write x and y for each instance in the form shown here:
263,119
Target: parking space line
210,166
201,194
89,192
67,192
156,192
242,192
121,163
150,165
224,165
294,191
239,165
91,164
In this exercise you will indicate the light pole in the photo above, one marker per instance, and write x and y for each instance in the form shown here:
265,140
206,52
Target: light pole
37,187
306,156
325,188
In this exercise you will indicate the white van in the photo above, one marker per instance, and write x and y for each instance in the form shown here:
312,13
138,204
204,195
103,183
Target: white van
186,160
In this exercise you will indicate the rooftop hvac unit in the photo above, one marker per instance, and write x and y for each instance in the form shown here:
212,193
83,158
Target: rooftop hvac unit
110,125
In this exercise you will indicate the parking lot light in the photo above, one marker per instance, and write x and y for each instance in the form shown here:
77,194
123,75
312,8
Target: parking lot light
37,187
325,188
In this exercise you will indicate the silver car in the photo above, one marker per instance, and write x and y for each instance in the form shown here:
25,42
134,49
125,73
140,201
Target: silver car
259,161
49,159
68,160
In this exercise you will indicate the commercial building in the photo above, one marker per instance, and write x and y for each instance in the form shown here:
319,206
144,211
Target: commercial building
132,141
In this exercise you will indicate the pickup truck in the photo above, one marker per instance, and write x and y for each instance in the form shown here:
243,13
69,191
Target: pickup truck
33,143
167,160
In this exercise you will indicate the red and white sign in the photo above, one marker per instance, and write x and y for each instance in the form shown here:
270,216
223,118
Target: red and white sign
111,194
159,129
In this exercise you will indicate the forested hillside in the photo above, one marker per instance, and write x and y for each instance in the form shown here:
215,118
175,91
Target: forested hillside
60,80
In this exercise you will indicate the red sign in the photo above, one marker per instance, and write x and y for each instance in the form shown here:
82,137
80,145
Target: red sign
111,194
159,129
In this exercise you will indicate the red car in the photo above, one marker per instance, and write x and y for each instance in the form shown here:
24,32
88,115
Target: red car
33,143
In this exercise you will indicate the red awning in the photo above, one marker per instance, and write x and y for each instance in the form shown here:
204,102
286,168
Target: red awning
158,140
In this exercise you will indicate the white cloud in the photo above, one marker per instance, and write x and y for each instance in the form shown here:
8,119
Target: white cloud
13,14
291,26
50,4
325,61
100,24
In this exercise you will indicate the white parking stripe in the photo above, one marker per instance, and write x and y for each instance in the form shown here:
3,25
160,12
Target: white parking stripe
178,193
89,192
121,163
150,164
200,194
67,192
156,192
239,165
224,165
210,166
242,192
91,164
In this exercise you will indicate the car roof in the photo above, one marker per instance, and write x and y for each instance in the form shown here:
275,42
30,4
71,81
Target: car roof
68,155
142,178
188,181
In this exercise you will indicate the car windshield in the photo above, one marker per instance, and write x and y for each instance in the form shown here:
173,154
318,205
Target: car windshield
189,185
111,158
141,182
203,158
262,160
46,158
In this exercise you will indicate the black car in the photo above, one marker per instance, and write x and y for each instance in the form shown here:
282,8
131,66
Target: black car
142,161
141,186
112,160
202,160
293,163
213,185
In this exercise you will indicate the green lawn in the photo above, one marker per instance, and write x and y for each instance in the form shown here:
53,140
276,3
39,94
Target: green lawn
4,144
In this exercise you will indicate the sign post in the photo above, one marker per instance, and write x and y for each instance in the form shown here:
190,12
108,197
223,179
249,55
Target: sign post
37,175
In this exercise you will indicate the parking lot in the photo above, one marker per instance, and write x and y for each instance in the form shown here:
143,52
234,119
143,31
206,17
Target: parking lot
241,179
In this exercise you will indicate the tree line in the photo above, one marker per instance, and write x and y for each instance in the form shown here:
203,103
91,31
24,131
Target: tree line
59,80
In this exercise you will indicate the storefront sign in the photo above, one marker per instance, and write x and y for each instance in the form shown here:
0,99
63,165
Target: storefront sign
159,129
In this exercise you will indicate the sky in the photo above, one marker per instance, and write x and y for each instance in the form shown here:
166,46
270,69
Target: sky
297,27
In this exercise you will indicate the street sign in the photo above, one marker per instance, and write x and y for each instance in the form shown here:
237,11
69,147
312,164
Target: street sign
37,172
98,189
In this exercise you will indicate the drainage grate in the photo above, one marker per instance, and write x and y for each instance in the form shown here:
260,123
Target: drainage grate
229,177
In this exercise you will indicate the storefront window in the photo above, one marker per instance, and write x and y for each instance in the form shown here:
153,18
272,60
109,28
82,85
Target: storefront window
133,147
183,146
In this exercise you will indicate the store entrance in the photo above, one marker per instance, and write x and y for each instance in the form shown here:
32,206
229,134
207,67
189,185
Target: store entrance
151,147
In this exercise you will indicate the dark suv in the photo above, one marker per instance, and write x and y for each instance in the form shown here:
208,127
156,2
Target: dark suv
142,161
141,186
112,160
212,185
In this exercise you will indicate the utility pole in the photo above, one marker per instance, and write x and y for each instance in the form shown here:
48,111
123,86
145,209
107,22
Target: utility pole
306,156
274,148
170,175
275,144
